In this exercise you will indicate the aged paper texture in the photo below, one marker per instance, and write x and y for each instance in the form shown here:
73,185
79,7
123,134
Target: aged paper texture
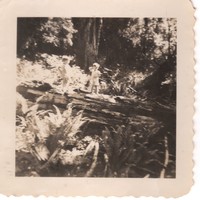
96,97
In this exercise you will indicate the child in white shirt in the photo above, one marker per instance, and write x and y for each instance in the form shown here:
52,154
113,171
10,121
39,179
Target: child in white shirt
64,70
94,78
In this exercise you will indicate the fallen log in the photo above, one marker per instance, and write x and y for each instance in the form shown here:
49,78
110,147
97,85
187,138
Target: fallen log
113,109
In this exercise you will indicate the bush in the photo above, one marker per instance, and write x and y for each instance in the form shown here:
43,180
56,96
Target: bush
47,135
46,70
60,143
123,82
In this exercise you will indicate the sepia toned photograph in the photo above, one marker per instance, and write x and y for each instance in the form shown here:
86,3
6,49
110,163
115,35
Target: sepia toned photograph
96,97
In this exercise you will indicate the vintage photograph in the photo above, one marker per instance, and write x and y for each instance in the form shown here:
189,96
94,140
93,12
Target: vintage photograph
96,97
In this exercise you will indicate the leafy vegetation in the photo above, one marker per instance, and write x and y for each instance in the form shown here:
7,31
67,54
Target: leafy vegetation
44,35
48,70
128,130
53,139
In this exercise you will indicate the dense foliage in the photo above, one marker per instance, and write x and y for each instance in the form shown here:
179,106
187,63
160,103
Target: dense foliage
44,35
48,70
55,143
138,69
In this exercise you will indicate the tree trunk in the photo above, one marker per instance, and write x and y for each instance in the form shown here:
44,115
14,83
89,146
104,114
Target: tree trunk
99,32
89,31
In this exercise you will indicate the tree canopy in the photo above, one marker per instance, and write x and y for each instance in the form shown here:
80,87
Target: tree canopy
146,45
44,35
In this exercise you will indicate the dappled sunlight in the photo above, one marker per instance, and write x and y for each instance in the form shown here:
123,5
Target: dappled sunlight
96,97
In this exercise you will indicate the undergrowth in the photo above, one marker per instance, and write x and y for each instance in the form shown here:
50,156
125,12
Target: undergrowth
57,143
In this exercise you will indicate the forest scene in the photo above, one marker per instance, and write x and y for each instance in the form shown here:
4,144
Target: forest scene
96,97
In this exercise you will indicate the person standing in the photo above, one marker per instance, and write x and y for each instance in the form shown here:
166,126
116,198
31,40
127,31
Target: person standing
64,71
94,78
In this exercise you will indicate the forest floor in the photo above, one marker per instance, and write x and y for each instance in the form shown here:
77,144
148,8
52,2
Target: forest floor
123,137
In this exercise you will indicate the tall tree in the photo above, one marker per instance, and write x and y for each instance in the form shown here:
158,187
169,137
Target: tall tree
99,39
87,40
